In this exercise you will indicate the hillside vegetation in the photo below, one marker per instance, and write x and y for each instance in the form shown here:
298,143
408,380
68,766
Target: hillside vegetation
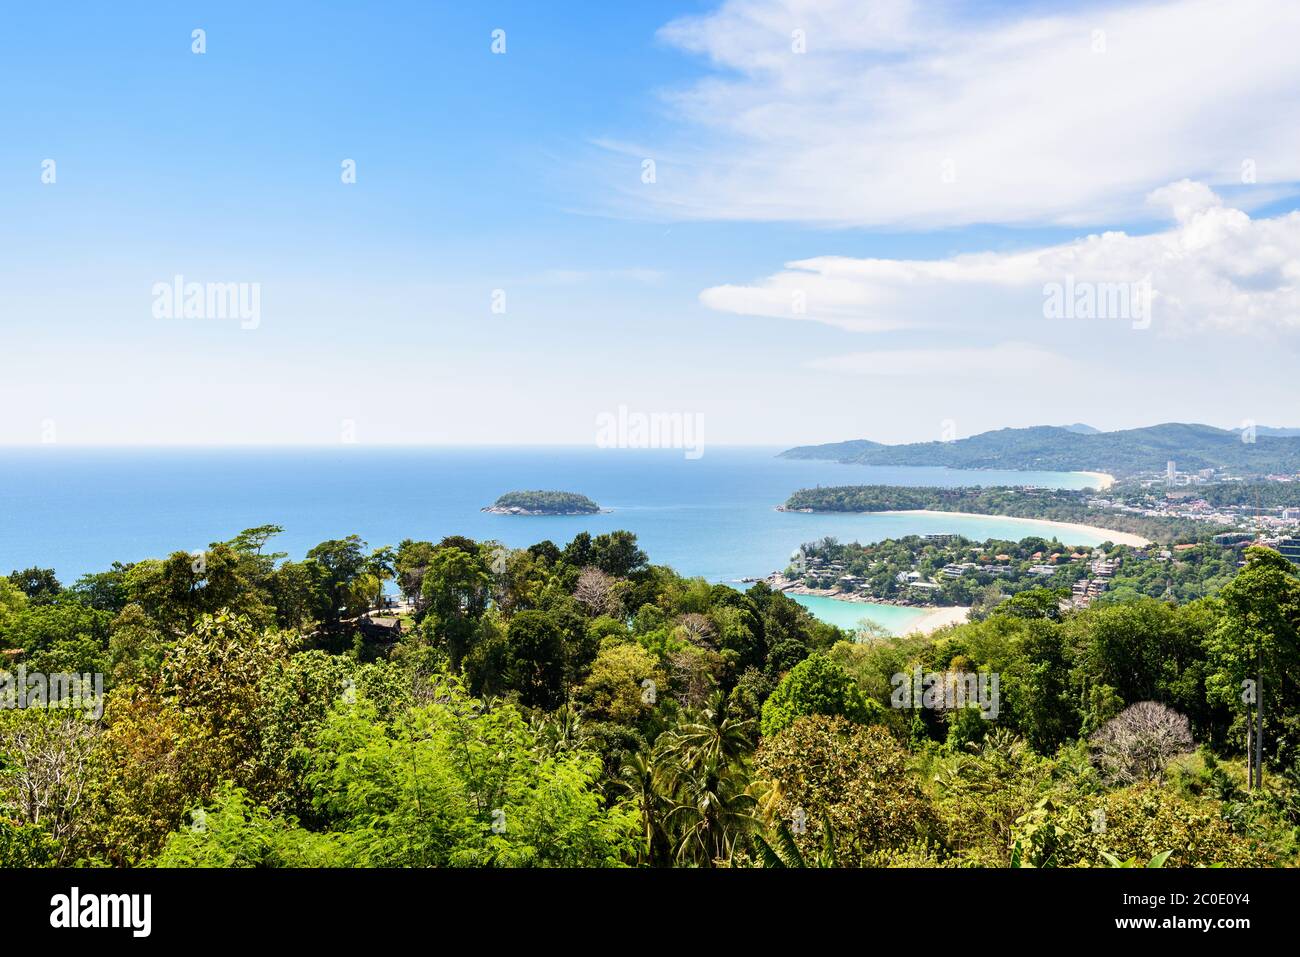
577,706
1058,505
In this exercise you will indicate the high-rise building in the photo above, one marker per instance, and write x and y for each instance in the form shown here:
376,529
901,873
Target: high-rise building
1171,472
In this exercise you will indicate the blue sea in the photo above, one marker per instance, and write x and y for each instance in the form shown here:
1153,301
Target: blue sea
78,510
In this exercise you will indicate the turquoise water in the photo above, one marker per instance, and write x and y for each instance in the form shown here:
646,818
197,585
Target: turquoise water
849,614
78,510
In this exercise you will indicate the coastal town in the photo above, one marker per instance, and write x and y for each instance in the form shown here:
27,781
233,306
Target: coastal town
1267,508
951,570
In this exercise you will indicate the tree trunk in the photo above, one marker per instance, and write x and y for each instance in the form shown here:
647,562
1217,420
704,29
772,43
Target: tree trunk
1259,725
1250,751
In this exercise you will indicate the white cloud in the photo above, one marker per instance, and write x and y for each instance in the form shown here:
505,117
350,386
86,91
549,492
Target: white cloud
1184,199
1064,118
1217,268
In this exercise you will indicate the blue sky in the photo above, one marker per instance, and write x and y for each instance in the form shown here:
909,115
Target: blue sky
522,172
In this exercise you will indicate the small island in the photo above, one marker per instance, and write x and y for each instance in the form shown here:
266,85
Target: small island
544,503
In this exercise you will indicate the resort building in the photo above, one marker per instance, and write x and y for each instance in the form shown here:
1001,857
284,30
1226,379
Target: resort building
1085,591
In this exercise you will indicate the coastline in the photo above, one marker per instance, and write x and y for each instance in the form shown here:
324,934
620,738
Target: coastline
933,618
1104,479
940,618
784,585
1105,534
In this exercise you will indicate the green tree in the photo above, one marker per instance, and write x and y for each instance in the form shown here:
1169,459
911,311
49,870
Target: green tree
829,769
13,602
135,647
624,684
454,783
457,586
39,584
62,636
816,686
341,560
300,593
233,831
616,553
410,564
535,659
1254,649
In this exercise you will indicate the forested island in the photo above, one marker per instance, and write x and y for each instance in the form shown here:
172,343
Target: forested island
1057,505
1128,452
579,706
543,503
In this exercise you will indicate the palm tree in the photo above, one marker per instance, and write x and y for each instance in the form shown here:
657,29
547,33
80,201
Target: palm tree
712,736
711,809
701,769
557,731
637,777
786,854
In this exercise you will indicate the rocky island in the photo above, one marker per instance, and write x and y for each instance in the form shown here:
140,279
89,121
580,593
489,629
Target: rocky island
544,503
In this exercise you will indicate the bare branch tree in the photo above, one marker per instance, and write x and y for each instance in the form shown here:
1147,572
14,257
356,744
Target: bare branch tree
596,592
697,629
1139,742
46,756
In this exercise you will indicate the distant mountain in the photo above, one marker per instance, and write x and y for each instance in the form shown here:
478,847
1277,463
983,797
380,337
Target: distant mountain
1279,433
1081,428
849,451
1055,448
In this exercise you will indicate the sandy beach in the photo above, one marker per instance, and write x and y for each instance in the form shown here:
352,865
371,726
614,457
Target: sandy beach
940,618
1105,534
1104,480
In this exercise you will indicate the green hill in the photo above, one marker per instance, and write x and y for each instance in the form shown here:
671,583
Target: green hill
1052,448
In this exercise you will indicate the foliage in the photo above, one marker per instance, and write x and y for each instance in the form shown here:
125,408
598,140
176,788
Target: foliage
235,832
1058,505
816,686
578,706
456,783
828,769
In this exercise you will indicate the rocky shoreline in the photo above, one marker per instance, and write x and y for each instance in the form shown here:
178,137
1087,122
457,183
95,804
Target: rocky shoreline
779,582
516,510
935,617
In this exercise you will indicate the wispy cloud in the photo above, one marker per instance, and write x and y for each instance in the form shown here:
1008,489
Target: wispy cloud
919,115
1216,269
